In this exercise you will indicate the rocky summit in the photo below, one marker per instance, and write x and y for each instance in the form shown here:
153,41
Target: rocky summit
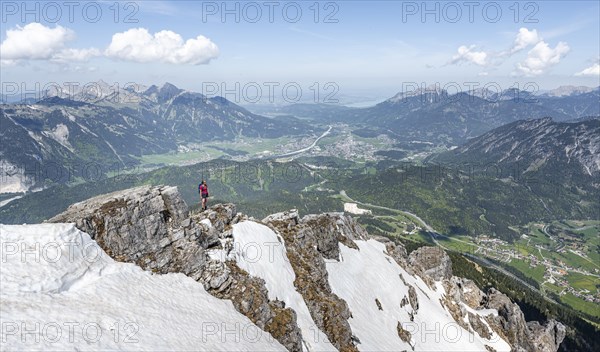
318,282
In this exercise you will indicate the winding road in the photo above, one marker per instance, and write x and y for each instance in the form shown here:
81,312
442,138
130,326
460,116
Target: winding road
433,234
303,150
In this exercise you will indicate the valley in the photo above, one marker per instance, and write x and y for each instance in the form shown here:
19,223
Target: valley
337,140
417,191
301,176
564,266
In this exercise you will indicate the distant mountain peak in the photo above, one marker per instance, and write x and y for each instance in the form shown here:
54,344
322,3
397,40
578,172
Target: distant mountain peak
431,90
168,91
102,83
568,91
169,87
153,89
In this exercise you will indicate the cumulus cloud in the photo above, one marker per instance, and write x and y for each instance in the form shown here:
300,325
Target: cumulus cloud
593,70
34,41
541,58
467,54
524,39
38,42
139,45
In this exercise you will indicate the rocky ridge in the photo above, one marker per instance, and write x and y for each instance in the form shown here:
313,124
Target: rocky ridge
151,227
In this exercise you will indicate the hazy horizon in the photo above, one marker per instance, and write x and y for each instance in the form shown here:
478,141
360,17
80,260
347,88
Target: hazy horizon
367,50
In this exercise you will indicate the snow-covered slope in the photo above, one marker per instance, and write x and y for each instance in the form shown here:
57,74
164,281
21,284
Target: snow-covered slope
61,291
376,289
261,252
374,285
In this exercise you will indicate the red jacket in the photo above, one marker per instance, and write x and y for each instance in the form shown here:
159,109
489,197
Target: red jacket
203,189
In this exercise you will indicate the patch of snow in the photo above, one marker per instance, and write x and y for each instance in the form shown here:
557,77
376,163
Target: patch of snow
60,133
12,184
72,118
36,137
495,340
12,179
353,208
6,201
261,252
114,152
364,275
61,291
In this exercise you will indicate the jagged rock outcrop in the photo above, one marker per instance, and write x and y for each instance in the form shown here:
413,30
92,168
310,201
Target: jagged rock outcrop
479,326
141,225
469,293
434,264
151,227
413,299
546,337
431,261
396,251
510,323
403,334
328,230
250,297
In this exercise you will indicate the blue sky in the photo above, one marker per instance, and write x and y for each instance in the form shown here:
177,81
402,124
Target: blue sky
371,49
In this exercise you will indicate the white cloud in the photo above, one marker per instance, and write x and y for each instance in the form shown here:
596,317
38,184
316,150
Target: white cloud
593,70
8,62
524,39
69,55
541,58
34,41
467,54
78,68
139,45
38,42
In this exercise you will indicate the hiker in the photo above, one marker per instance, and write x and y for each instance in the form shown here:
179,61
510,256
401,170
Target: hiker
203,191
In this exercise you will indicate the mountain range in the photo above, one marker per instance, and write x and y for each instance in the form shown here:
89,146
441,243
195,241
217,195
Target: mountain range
87,133
452,119
561,152
108,130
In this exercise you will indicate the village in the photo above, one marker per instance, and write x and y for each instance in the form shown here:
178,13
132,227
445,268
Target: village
556,271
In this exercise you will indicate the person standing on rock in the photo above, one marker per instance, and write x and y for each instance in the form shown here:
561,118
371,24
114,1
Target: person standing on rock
203,190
